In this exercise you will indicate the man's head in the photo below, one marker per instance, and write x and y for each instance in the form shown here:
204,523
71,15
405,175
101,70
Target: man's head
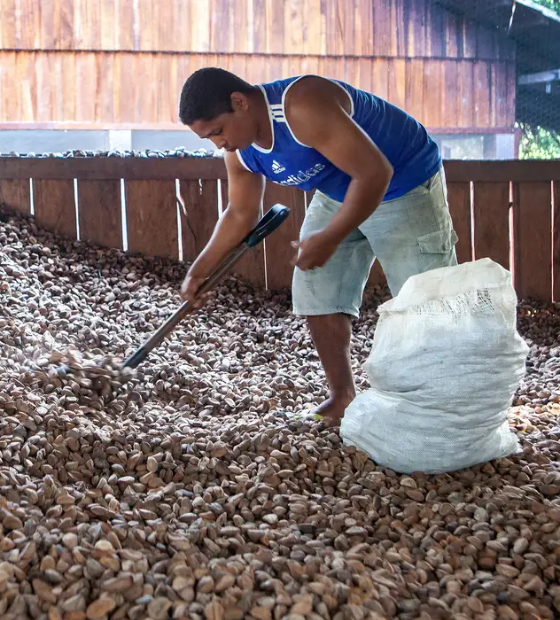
217,105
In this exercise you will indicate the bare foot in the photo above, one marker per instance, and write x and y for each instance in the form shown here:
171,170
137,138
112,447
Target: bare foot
332,410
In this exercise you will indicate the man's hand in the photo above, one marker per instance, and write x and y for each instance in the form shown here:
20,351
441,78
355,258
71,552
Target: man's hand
314,251
189,289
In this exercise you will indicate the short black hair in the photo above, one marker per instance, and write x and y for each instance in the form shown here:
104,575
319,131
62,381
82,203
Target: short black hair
207,94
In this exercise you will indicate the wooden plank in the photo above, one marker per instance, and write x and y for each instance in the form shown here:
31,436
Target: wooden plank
381,77
279,252
501,95
166,28
366,20
166,67
459,200
146,26
260,21
15,193
330,34
511,79
200,32
151,216
436,27
251,267
485,43
55,73
213,168
482,94
465,94
415,88
469,37
105,67
24,93
182,37
433,96
492,94
382,28
229,25
532,242
9,107
99,212
126,87
109,14
451,35
313,25
31,83
491,222
200,200
125,32
55,207
30,22
409,26
49,36
450,89
397,82
147,107
87,76
219,27
346,27
69,89
293,36
77,25
556,241
419,26
399,46
8,25
518,170
366,74
91,25
113,168
275,11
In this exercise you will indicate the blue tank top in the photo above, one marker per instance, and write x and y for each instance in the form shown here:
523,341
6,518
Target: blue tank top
405,143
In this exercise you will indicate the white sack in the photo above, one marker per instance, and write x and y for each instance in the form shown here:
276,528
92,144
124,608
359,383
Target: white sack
445,363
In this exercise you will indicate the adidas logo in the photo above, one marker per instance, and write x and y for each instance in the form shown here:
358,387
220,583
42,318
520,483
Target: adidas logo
277,168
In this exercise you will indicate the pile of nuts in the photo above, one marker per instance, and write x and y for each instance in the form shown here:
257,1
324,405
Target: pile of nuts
151,153
177,491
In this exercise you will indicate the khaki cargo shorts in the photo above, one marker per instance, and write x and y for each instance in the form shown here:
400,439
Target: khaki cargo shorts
408,235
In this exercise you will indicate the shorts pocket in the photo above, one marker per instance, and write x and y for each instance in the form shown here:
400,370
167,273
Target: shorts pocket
437,242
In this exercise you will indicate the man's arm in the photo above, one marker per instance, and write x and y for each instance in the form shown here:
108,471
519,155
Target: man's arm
319,114
246,191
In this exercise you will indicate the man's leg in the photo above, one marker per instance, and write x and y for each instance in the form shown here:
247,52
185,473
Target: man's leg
328,297
331,335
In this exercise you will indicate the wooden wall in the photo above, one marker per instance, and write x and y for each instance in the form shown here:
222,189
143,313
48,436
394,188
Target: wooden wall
124,61
412,28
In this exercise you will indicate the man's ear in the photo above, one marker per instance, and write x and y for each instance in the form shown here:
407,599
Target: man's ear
239,101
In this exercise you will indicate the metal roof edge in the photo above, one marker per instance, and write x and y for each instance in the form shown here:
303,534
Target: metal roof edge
545,11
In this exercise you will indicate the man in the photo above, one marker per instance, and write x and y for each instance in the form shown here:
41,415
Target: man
380,192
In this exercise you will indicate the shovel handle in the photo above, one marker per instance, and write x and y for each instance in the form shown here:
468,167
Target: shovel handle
267,224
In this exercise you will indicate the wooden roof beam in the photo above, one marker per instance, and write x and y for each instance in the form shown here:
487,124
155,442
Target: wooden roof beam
542,77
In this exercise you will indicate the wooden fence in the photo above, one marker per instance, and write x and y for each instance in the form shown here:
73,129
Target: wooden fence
508,211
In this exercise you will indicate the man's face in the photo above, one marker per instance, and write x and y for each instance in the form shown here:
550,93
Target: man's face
232,130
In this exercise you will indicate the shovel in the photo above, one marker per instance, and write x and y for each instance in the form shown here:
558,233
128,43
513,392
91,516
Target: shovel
270,221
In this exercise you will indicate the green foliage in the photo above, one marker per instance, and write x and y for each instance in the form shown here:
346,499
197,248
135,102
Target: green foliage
551,4
538,143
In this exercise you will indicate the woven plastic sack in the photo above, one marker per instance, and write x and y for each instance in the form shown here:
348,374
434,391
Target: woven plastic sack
444,366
